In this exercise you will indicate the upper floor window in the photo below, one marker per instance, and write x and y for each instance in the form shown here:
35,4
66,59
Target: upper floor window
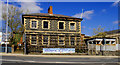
33,39
61,40
45,40
33,24
61,25
72,25
45,24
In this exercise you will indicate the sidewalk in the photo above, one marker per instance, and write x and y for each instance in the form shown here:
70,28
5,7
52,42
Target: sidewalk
60,56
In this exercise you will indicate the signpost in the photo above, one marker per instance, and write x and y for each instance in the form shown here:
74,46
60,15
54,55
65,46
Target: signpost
0,37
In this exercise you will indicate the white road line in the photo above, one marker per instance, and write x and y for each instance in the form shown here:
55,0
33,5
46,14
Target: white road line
52,62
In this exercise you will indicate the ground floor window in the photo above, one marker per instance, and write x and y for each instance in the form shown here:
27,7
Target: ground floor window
112,42
72,40
33,39
61,40
45,40
107,42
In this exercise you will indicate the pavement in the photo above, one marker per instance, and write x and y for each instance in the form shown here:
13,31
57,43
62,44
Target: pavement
77,56
21,59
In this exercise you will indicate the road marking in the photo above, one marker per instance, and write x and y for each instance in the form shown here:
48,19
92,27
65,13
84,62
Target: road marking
52,62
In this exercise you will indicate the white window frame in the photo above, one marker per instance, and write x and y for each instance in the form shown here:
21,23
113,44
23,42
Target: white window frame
70,25
59,40
31,24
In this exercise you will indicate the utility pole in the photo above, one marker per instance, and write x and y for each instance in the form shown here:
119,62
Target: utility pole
82,13
25,46
6,28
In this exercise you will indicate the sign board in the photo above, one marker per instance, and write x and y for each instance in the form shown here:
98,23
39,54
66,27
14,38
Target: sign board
4,42
58,50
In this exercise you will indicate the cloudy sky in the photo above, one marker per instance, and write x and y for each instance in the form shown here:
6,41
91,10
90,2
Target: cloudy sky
94,13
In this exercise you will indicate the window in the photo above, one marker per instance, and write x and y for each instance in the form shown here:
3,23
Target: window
33,24
61,40
107,42
45,40
90,42
72,25
33,39
45,24
97,42
61,25
112,42
72,40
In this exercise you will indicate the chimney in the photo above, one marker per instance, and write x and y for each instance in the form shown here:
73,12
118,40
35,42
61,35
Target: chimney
50,10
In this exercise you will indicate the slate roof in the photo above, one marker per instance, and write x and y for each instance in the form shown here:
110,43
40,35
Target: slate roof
47,14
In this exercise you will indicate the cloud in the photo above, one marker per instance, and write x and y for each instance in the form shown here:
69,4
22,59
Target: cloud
86,14
103,10
32,7
29,6
116,22
115,3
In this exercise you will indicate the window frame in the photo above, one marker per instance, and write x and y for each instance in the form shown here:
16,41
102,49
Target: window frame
70,25
31,40
70,40
113,43
43,24
43,40
63,40
63,26
31,23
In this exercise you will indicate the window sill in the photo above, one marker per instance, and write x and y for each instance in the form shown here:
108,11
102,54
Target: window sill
61,29
33,44
45,44
45,28
61,44
33,28
73,29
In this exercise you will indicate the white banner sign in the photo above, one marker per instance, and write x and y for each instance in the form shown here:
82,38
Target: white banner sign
58,50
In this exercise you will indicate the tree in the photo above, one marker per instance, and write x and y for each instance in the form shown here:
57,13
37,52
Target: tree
99,32
14,21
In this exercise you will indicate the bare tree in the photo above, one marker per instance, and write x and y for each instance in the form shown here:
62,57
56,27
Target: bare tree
14,21
99,32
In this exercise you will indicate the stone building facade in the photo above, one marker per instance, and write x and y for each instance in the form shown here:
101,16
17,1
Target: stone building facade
48,30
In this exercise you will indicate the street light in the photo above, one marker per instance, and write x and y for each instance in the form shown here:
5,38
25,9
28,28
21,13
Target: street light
6,28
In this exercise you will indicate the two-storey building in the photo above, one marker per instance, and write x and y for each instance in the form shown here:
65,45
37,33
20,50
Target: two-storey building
48,30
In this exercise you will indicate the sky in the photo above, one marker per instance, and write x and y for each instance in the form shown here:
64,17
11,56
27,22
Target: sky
104,14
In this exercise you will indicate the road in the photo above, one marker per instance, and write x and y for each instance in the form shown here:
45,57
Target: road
26,60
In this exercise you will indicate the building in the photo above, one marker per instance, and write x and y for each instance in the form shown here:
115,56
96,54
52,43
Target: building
97,45
114,34
48,30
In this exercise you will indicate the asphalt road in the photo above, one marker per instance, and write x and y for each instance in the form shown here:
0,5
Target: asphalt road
25,60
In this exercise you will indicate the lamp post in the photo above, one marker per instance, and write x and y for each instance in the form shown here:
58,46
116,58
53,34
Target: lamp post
6,28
